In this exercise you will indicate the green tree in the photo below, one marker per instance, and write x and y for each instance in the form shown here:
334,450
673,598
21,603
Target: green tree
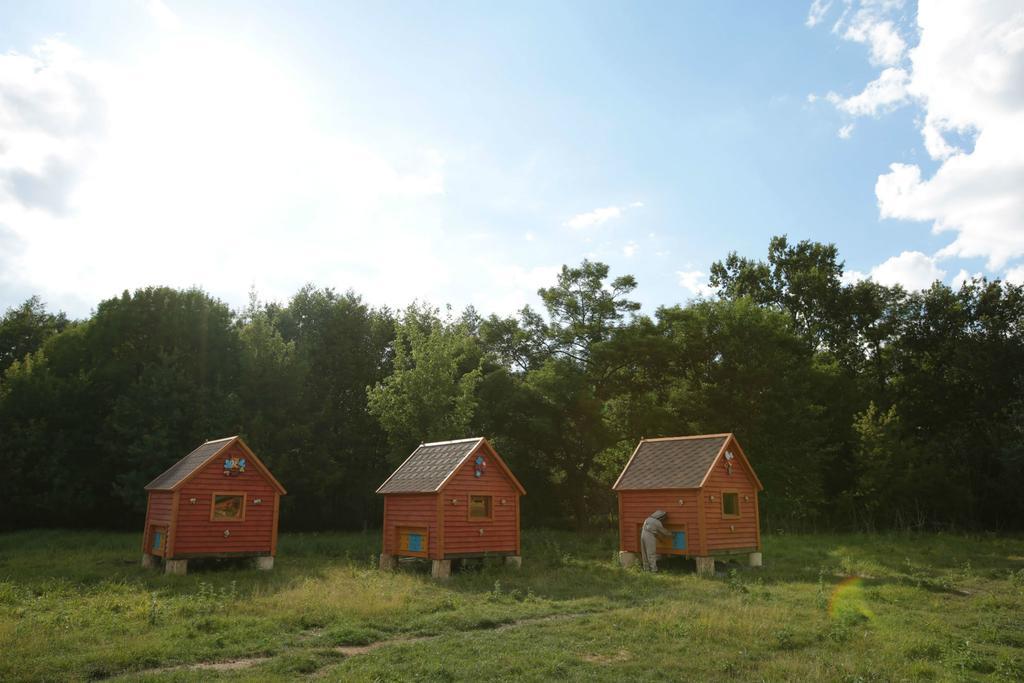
431,394
733,366
565,368
24,329
324,445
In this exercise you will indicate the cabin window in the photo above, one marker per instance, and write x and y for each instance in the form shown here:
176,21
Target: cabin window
730,504
480,507
228,507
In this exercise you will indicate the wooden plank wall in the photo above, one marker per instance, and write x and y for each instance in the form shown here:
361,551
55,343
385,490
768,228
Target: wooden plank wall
720,532
411,510
637,506
501,532
196,534
160,508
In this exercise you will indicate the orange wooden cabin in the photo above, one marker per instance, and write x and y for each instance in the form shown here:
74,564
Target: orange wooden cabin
218,501
708,489
451,500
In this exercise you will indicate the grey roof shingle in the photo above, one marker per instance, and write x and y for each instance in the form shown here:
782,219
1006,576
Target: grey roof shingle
679,463
428,466
187,465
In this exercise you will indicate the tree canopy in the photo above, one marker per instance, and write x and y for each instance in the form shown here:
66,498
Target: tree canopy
860,405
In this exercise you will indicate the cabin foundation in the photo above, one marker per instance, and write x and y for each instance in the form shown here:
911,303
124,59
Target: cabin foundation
441,569
388,563
514,561
264,562
627,559
755,560
705,566
178,567
148,561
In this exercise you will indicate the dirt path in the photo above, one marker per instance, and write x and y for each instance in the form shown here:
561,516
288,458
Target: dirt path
356,650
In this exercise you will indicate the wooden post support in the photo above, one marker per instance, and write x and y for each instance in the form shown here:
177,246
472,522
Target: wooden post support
388,562
755,559
441,569
264,562
148,561
179,567
706,566
627,559
514,561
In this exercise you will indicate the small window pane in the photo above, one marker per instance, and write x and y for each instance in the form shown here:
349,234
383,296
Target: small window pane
479,506
227,507
731,504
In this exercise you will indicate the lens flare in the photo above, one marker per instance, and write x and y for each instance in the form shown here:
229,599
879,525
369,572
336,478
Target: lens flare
849,600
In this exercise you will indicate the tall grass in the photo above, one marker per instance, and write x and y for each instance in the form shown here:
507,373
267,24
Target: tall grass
76,605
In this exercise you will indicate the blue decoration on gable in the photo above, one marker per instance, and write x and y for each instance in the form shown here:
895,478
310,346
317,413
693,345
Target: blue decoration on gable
228,463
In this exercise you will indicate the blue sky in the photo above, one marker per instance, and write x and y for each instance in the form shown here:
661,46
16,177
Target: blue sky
461,152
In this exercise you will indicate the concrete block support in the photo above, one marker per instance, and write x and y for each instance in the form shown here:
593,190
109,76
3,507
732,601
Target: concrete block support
441,569
148,561
514,561
179,567
755,559
264,562
627,559
388,563
706,566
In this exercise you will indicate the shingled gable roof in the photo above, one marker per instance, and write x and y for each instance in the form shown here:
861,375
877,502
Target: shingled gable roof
679,462
181,471
431,465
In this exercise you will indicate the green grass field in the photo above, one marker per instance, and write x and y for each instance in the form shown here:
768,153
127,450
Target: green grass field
76,605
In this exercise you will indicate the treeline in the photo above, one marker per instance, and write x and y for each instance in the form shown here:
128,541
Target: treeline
861,406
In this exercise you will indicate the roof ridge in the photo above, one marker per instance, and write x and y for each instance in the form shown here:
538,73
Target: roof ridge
445,443
693,436
225,438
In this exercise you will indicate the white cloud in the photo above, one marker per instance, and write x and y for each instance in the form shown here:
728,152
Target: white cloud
963,276
695,282
967,75
630,249
885,93
817,12
599,216
530,237
162,14
1015,275
868,23
519,286
201,163
595,217
846,131
911,269
852,277
887,47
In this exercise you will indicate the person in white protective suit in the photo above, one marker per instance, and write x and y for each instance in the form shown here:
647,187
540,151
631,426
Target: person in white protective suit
652,529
